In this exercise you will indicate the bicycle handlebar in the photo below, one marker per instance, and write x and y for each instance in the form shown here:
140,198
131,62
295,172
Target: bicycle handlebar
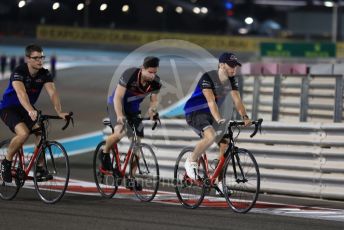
156,120
42,117
257,124
69,118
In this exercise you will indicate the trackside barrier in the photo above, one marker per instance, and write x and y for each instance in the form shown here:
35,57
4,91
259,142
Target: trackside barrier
298,90
299,159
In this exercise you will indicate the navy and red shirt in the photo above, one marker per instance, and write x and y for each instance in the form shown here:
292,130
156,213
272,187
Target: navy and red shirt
209,80
33,85
135,91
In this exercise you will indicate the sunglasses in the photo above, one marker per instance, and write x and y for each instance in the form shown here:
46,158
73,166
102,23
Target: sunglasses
37,58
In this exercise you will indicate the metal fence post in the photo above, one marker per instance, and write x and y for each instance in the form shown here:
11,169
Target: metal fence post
304,98
255,99
338,100
276,98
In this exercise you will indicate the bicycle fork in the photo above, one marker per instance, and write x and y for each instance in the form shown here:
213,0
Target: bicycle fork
235,158
143,159
51,158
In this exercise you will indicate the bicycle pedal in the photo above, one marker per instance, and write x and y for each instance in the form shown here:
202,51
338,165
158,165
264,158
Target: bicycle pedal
45,178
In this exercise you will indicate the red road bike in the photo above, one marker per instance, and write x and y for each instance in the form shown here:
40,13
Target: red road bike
49,156
237,170
143,175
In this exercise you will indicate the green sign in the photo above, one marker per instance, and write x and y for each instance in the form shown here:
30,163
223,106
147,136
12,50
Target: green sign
308,50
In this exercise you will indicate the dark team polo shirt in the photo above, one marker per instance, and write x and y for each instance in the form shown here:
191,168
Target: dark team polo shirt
135,91
33,85
209,80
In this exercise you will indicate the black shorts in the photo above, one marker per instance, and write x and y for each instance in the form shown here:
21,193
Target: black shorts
133,119
137,123
14,115
199,121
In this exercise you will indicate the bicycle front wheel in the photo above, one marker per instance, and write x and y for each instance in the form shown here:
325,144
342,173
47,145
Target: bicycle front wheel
144,172
189,192
51,172
241,181
9,190
107,183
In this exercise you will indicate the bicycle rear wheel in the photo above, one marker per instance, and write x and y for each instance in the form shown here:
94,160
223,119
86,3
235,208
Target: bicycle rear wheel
107,183
189,192
144,172
241,181
52,184
9,190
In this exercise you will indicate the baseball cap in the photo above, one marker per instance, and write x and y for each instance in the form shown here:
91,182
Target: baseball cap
229,58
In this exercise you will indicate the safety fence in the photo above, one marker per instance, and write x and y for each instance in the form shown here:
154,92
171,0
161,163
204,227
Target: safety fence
297,92
300,159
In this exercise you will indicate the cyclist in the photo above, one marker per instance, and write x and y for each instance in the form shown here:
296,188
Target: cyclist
134,85
202,108
17,105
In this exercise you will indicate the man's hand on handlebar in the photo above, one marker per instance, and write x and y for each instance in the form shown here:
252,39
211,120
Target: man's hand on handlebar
246,120
33,114
152,113
63,115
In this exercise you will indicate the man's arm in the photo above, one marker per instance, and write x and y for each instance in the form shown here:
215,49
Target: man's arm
153,105
214,110
24,98
239,105
118,102
54,98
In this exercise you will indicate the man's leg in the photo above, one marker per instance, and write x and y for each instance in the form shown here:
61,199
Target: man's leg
112,139
207,140
22,134
41,170
137,158
223,145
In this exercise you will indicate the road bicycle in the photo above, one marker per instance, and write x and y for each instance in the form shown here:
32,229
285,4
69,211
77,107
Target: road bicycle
237,169
48,158
143,175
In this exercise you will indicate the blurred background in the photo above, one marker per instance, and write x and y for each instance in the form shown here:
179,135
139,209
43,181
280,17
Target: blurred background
297,19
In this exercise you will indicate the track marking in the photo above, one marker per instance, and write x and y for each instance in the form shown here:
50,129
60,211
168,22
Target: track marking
170,198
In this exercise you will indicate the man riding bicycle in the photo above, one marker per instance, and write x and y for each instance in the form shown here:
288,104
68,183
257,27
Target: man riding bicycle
17,105
202,108
134,85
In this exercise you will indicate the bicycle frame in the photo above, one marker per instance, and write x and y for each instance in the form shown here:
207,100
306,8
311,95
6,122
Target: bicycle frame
22,161
134,142
41,145
231,170
230,152
118,160
218,169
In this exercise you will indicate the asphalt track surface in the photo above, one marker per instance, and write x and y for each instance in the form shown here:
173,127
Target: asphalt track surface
83,90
